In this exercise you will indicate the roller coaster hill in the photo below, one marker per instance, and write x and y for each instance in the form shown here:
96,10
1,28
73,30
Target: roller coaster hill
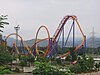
52,48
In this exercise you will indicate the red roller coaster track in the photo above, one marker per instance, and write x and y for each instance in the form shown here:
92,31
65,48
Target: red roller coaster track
61,25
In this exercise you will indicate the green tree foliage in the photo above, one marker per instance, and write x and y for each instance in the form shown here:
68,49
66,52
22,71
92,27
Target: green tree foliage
72,53
28,60
4,70
3,22
41,59
31,59
85,64
43,66
5,56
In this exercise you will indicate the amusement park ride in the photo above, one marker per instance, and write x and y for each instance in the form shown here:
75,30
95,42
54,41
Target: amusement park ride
52,46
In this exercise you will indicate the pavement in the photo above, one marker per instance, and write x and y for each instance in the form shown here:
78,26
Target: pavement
92,73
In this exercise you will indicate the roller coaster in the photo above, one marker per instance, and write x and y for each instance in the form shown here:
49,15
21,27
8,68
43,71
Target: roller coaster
22,42
52,46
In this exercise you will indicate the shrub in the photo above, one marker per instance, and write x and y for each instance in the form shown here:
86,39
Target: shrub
6,71
42,68
85,64
5,56
3,70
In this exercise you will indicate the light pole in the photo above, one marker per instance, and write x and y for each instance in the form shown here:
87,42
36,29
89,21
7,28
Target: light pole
17,28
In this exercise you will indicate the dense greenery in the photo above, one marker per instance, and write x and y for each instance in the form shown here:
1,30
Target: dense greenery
5,56
44,67
93,51
26,60
72,54
84,64
49,66
4,70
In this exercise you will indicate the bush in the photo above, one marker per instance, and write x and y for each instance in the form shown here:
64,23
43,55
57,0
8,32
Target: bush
6,71
76,68
42,68
5,56
3,70
86,64
22,63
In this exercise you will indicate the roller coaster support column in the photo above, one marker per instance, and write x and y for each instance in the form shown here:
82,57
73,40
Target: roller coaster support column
56,51
63,40
73,34
51,44
85,44
68,35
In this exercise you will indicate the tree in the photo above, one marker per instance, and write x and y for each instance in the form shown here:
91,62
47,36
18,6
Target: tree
72,53
4,70
3,22
46,68
5,56
84,64
31,59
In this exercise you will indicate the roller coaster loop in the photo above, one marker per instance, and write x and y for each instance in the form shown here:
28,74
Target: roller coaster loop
36,42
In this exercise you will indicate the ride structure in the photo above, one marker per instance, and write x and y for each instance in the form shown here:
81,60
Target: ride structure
53,42
22,44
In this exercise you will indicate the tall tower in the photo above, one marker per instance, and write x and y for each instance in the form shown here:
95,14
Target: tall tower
93,39
17,28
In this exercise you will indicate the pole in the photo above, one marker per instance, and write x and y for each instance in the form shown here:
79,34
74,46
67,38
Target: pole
93,39
85,44
17,28
73,34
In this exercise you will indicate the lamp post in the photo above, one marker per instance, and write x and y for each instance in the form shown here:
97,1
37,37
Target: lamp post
17,28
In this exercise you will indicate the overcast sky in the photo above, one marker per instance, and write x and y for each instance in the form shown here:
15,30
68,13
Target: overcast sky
31,14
